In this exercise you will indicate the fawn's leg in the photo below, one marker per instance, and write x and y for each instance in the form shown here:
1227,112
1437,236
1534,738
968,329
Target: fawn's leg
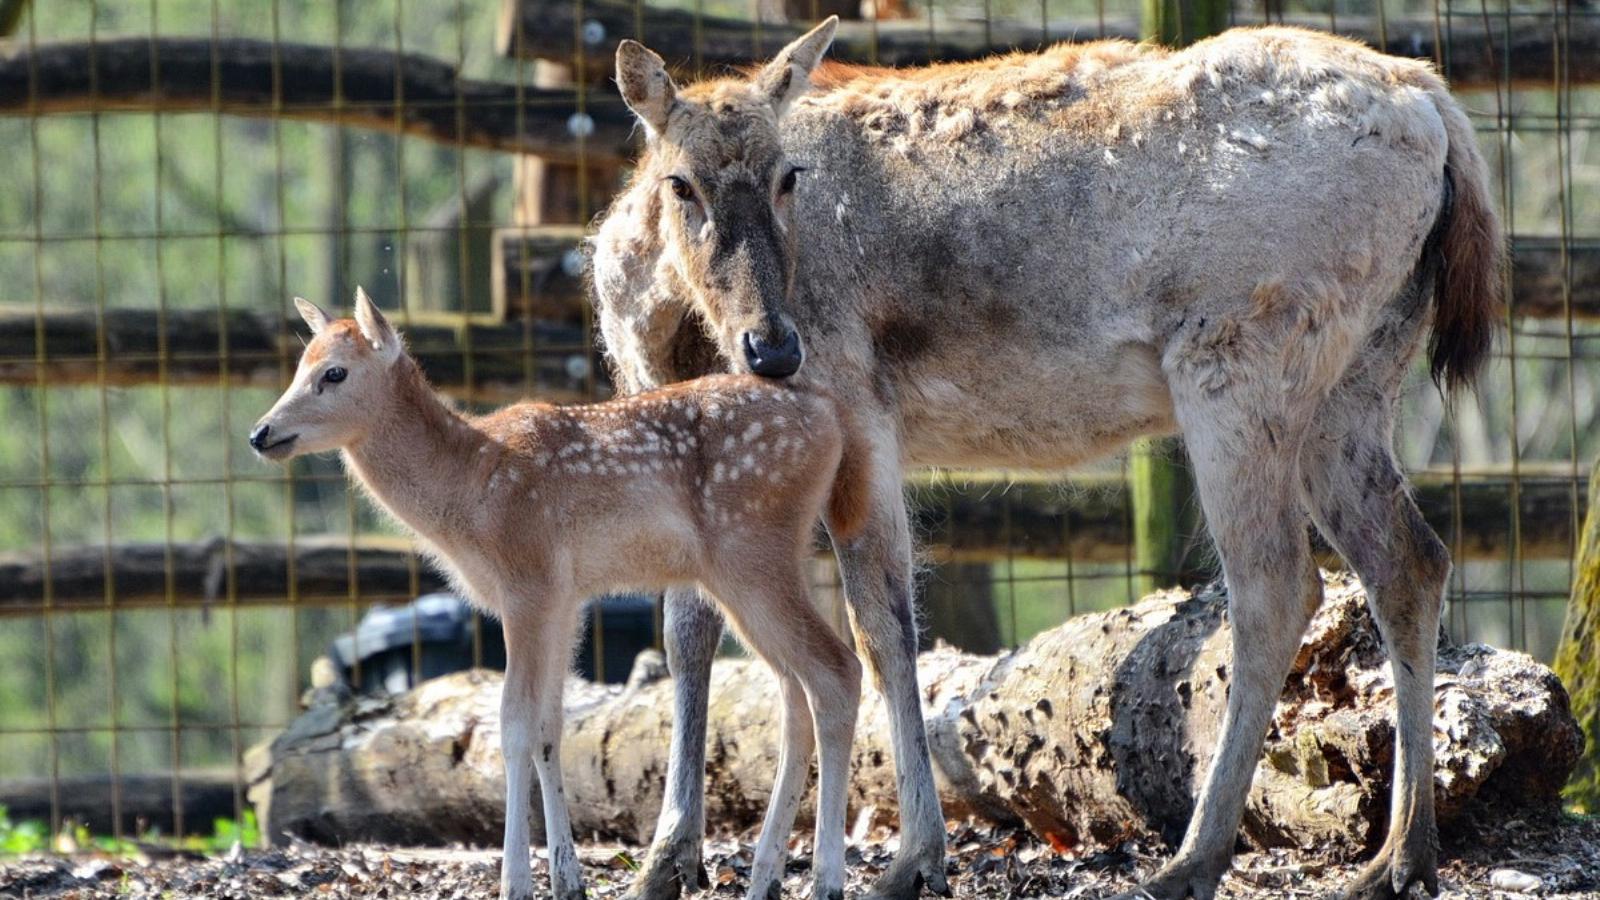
692,631
875,567
775,616
1359,499
794,770
538,651
1244,444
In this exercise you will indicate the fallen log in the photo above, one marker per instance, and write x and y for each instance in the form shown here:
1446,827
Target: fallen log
1092,732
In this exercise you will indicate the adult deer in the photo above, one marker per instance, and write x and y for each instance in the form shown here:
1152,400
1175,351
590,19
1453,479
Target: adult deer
532,508
1029,261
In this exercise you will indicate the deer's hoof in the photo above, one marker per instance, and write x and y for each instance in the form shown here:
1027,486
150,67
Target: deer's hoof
911,871
1182,879
669,868
1395,869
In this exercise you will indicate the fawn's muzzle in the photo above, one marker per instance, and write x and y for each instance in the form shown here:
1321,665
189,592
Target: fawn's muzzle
263,441
773,360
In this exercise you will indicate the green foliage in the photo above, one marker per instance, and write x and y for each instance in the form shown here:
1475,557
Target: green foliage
33,836
28,836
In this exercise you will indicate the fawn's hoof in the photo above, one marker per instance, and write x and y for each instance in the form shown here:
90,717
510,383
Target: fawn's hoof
669,867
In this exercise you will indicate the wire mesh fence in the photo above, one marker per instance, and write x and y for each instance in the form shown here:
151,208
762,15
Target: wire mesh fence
178,169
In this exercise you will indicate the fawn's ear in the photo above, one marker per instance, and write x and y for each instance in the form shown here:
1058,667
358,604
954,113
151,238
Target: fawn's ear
312,313
375,328
646,87
789,73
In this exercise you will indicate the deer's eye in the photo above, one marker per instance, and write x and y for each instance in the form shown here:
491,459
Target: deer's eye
786,186
680,188
334,375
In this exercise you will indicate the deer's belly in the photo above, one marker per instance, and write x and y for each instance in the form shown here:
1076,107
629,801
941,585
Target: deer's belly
1010,412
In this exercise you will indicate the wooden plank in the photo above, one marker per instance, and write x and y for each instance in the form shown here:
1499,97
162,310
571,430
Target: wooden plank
491,362
538,273
984,518
1522,50
368,88
534,275
144,798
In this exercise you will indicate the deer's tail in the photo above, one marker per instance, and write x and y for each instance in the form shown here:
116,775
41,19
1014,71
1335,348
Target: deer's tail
1468,306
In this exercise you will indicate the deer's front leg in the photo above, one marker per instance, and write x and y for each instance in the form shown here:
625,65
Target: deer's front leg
693,629
537,651
875,567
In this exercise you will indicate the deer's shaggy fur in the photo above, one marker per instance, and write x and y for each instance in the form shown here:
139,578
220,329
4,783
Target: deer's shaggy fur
715,483
1029,261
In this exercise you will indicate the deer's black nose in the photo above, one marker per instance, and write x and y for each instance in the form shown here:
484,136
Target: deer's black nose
258,436
773,360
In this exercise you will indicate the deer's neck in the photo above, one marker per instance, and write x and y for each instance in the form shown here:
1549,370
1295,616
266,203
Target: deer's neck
420,462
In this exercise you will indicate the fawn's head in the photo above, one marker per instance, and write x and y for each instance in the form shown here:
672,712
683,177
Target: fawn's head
723,190
339,390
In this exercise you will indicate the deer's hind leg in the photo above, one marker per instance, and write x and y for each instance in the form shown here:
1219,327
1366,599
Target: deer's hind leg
1243,437
772,611
1361,504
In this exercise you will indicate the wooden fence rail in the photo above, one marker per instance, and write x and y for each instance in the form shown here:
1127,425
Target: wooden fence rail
1524,47
490,362
980,519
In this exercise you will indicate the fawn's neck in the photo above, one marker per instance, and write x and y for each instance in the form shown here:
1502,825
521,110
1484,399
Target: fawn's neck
420,462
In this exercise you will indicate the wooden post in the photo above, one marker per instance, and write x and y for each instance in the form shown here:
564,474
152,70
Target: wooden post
1179,23
1166,514
1578,657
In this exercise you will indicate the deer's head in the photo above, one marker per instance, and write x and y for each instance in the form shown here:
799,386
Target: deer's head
722,188
340,389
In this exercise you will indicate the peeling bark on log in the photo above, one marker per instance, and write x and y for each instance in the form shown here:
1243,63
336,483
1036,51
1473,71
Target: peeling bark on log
368,88
1523,49
1092,732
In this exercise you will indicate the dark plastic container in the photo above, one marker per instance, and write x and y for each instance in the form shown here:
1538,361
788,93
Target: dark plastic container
442,627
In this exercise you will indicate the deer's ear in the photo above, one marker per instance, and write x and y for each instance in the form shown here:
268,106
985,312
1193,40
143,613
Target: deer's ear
645,85
312,313
789,73
375,328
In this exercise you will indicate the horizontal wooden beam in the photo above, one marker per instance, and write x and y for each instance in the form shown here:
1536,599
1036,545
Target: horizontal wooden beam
984,518
1089,520
490,362
1476,55
538,273
145,800
326,571
368,88
534,273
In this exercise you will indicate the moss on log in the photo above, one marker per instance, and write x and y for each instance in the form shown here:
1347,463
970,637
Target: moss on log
1578,657
1091,732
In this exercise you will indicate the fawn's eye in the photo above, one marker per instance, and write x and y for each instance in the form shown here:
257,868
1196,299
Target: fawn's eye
680,188
786,186
334,375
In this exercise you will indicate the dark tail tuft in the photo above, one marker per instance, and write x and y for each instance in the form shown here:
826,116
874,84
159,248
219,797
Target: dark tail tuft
1468,307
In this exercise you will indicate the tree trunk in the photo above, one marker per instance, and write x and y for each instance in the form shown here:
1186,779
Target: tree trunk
1092,732
1578,657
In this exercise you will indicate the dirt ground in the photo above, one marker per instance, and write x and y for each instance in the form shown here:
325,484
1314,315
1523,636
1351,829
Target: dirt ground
1512,859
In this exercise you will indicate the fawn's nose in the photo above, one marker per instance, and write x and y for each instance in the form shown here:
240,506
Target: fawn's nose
259,435
773,360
